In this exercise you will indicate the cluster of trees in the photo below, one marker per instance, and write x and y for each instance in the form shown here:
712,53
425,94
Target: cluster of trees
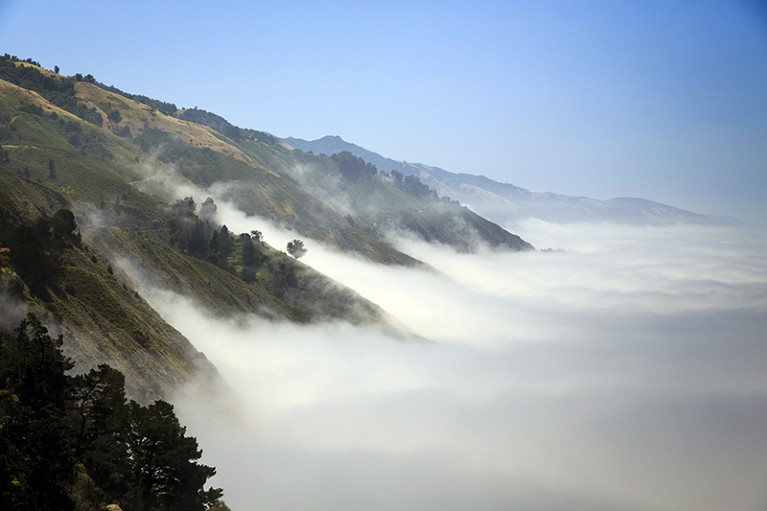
195,233
57,89
75,442
410,184
35,250
162,106
198,236
223,126
353,167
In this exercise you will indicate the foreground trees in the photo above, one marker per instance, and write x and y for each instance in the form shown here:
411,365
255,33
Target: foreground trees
51,423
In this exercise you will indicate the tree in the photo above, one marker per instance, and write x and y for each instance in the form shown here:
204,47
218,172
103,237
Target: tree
413,186
65,227
248,250
198,244
226,243
56,69
49,421
208,210
296,248
99,416
353,167
36,458
114,116
51,169
397,177
165,474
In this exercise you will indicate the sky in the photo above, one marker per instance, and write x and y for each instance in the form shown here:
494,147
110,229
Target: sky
660,100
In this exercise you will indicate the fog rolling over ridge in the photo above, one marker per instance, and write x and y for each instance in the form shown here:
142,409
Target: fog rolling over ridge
624,372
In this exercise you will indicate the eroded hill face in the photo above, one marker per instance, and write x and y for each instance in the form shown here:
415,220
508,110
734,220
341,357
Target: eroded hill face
134,173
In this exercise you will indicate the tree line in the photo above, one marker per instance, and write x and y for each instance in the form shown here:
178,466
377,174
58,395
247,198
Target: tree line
75,442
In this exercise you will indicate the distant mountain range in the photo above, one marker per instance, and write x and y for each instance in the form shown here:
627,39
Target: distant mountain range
506,204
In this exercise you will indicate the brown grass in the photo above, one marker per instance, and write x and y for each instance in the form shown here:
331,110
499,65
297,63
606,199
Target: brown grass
137,115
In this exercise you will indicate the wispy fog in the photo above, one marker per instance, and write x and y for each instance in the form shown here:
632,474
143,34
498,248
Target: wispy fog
625,370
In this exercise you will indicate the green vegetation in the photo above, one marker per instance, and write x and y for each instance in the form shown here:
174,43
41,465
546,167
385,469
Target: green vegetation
57,89
296,248
113,161
74,442
89,216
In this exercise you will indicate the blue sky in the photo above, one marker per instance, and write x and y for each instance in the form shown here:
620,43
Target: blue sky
657,99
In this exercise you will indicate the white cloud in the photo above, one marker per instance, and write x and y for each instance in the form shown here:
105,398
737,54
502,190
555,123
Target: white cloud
626,372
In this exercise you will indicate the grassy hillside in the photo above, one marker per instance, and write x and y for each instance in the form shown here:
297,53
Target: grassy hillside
116,161
53,160
65,280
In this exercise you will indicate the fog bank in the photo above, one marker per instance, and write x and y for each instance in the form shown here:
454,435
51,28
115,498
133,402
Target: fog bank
625,371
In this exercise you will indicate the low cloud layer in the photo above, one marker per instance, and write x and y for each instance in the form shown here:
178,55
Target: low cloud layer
625,371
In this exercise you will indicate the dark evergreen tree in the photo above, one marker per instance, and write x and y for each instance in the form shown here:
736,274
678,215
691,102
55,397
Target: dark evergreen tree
36,457
165,475
199,243
248,250
137,455
353,167
99,417
226,244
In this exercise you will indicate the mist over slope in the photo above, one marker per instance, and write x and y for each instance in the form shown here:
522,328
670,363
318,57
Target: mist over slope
624,369
623,372
138,178
506,204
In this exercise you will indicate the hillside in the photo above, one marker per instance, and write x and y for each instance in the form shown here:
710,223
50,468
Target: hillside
138,181
506,204
92,165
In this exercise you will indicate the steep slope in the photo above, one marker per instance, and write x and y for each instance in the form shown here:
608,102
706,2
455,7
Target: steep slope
505,203
53,162
104,319
104,174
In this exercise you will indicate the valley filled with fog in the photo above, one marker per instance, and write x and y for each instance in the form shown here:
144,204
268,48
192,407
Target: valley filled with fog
624,369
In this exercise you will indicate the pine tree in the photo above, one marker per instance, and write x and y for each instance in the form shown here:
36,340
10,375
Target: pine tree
36,457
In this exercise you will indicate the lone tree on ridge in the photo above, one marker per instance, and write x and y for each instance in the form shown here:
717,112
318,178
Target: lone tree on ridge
296,248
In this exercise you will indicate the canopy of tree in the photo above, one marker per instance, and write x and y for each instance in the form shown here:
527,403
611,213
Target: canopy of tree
73,442
296,248
353,167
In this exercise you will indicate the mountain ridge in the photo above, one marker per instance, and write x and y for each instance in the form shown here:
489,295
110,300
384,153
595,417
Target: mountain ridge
115,165
506,204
